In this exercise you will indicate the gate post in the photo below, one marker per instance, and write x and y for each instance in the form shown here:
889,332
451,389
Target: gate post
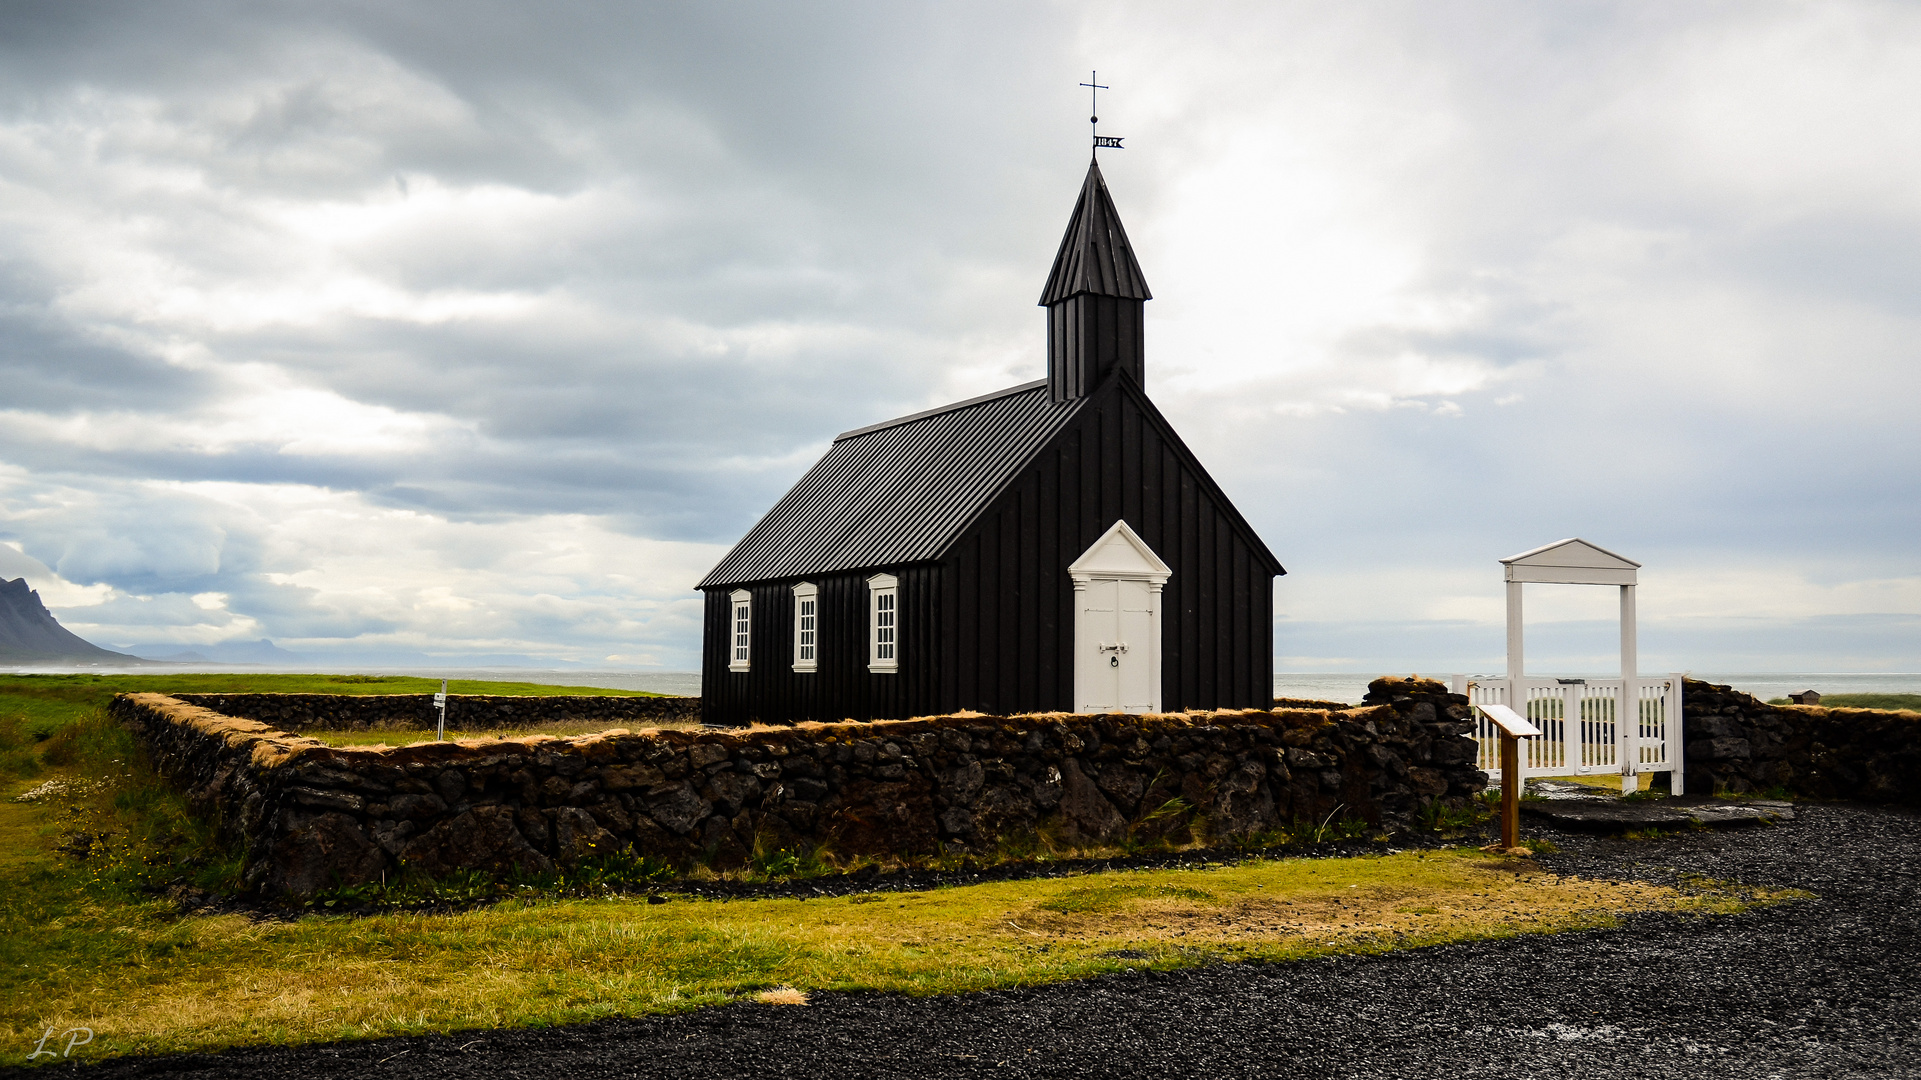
1676,733
1514,636
1627,731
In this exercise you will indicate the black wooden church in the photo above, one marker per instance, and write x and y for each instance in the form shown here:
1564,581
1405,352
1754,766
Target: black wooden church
1054,546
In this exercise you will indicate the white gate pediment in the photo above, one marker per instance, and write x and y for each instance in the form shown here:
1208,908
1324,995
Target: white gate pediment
1571,562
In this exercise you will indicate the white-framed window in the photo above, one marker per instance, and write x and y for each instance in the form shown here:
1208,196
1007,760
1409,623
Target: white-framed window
806,627
883,624
741,637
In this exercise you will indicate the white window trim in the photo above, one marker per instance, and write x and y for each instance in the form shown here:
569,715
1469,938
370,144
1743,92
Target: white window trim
809,593
740,640
878,586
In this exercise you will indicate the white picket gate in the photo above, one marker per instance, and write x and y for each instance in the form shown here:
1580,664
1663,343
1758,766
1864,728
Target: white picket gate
1581,724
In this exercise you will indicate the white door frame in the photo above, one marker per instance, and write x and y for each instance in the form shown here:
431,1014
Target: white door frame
1119,555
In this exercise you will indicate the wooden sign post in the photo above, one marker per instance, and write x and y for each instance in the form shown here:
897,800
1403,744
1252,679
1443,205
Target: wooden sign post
1514,727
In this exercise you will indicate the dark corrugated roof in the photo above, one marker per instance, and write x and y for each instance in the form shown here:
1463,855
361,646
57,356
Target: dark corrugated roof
897,492
1095,256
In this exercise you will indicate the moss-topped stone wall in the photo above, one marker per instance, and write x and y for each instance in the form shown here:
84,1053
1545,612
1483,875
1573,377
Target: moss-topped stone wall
1736,743
312,816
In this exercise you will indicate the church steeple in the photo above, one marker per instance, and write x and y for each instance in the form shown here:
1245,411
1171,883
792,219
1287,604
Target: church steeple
1094,298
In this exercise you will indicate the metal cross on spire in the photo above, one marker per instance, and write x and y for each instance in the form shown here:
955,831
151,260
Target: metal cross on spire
1094,88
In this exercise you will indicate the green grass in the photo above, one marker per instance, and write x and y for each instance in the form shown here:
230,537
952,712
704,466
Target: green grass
1609,782
34,708
85,941
1909,702
37,705
89,938
392,738
1116,894
47,696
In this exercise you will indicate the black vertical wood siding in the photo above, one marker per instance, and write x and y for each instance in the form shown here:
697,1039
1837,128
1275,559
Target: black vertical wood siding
842,688
1118,459
1088,336
990,626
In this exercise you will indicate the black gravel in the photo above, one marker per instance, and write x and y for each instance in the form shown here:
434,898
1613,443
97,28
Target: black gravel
1822,988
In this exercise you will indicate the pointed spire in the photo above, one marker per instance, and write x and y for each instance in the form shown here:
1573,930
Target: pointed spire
1095,300
1095,256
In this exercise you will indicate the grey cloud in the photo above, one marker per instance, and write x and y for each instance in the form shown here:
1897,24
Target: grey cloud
782,222
47,367
1871,261
50,365
135,541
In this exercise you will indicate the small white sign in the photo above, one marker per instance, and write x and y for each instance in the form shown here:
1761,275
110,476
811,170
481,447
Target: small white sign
440,701
1509,721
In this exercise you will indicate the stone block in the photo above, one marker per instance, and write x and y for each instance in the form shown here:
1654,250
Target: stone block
577,836
678,809
1084,811
484,838
328,800
1426,782
1720,749
322,851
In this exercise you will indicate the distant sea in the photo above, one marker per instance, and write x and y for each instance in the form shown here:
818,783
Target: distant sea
1353,687
680,683
1330,686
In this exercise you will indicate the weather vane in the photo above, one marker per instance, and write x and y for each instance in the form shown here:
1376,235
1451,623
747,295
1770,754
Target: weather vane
1094,88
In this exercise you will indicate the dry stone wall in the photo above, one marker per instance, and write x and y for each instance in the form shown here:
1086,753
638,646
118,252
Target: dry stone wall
465,712
313,816
1736,743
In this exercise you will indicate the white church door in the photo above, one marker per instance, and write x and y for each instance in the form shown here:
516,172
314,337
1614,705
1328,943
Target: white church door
1117,624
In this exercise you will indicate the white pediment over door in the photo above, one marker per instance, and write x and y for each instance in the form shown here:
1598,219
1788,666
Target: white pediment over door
1119,553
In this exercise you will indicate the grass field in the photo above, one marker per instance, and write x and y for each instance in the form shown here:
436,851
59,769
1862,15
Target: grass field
34,707
1608,782
88,939
408,738
80,945
1910,702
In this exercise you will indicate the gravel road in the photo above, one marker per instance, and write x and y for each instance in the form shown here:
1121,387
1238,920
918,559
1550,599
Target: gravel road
1823,988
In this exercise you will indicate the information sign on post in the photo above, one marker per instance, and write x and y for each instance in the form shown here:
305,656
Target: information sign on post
440,702
1513,728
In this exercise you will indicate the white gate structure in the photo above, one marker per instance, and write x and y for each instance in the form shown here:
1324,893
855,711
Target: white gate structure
1627,725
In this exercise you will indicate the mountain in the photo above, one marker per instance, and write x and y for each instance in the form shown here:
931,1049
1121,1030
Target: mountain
30,634
226,652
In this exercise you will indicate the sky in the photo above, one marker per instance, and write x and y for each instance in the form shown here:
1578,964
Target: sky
466,333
